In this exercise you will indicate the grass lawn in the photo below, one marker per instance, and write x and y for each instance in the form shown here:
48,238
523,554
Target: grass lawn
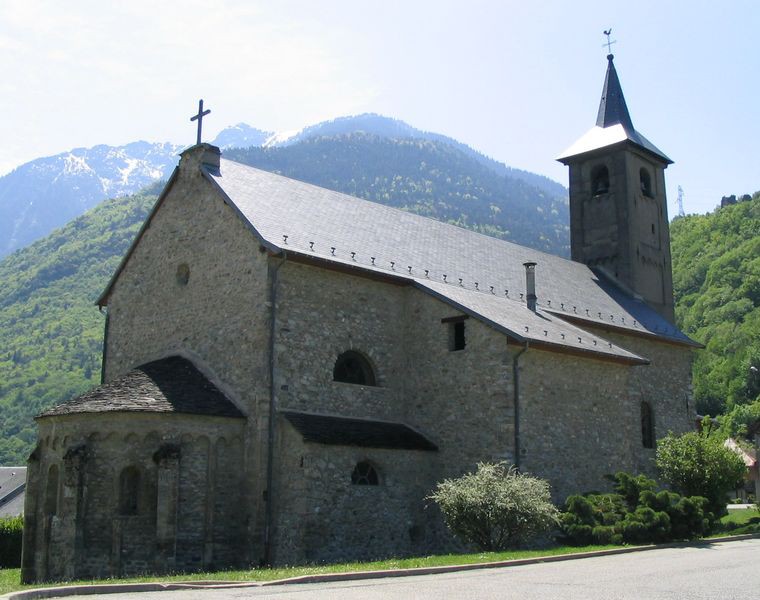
736,522
9,578
741,521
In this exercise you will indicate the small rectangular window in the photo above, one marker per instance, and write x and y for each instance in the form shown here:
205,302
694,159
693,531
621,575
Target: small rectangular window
456,332
456,336
647,425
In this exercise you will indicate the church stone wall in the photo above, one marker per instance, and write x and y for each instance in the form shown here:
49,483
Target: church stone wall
581,419
321,516
320,315
187,513
220,315
464,396
665,384
219,319
577,423
461,400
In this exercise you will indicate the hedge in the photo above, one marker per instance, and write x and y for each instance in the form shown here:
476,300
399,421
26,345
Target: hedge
11,530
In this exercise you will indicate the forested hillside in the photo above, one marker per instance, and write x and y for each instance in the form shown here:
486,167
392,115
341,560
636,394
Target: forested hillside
50,330
716,275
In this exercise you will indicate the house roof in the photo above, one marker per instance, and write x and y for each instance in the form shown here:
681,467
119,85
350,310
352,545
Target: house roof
168,385
750,461
319,224
347,431
613,123
12,491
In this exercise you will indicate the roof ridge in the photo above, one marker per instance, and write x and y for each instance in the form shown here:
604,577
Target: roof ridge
437,222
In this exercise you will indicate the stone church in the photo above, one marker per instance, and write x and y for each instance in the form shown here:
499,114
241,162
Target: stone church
288,371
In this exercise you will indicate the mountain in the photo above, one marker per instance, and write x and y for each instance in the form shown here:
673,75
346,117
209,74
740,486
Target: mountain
47,193
51,333
242,136
387,127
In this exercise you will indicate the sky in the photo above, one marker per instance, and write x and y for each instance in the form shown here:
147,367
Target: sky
519,81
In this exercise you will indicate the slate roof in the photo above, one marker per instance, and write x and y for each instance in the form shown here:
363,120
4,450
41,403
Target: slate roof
12,491
319,224
346,431
613,123
168,385
542,329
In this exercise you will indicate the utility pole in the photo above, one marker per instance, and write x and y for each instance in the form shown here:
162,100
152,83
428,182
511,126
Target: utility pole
681,213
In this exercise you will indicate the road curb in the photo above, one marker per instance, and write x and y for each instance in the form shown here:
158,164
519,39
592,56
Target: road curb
123,588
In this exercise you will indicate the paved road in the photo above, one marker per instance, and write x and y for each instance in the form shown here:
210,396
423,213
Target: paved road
723,571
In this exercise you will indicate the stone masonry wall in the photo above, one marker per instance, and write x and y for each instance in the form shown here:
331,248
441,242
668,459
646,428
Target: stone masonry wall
581,420
464,396
219,318
322,517
461,400
577,423
665,384
320,315
580,417
219,315
79,528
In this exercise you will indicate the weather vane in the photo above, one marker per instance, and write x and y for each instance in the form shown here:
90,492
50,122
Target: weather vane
199,117
608,43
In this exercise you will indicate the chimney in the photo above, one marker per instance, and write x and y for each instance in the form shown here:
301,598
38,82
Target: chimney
530,284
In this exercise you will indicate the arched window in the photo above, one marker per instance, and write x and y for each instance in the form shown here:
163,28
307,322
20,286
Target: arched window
646,183
647,425
600,180
51,491
129,488
364,474
352,367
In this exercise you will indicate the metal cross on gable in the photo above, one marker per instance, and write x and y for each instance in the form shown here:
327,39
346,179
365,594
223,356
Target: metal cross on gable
608,43
199,117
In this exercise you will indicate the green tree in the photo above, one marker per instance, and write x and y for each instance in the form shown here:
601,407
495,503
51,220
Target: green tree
716,281
11,532
496,507
698,464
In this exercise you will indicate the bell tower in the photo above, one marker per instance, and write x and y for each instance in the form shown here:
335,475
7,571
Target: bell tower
618,211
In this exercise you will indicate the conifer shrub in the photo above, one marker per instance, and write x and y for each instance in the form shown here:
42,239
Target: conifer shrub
11,531
635,513
496,507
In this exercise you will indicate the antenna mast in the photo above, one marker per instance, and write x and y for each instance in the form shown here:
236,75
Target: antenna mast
681,213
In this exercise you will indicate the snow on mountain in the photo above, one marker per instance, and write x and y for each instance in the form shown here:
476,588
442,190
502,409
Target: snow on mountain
48,192
241,136
281,139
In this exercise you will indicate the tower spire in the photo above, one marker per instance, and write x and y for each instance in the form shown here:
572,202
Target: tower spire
612,107
613,123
